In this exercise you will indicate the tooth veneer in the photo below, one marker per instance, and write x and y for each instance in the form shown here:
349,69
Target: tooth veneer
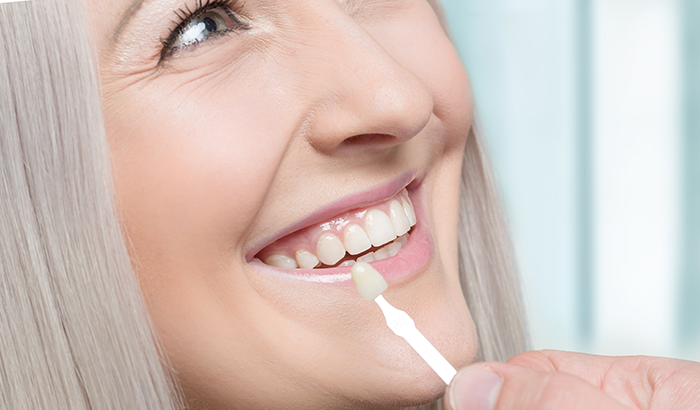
383,223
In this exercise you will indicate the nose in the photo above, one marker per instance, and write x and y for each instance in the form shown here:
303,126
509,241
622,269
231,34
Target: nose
366,97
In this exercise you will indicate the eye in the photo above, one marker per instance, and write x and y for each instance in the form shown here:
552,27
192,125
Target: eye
204,26
209,19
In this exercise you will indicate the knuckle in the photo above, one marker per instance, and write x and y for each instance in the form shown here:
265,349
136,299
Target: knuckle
534,359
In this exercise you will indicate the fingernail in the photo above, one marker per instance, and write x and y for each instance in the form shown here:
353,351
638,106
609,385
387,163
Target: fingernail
475,389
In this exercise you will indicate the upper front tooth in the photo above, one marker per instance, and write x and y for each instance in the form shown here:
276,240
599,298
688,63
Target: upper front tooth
356,239
281,261
329,249
399,218
410,213
379,227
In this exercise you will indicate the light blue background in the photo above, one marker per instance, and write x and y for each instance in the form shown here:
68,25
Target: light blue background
590,110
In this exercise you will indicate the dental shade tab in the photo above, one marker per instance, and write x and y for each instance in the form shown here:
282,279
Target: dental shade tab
370,284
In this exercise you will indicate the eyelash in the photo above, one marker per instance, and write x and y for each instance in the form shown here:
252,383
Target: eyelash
185,16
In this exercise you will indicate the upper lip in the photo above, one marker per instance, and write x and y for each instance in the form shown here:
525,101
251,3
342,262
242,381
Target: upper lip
361,199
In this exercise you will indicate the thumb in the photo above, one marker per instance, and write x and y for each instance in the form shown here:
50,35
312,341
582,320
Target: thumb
500,386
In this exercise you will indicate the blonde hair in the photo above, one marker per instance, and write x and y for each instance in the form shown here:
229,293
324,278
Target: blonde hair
487,267
486,257
74,330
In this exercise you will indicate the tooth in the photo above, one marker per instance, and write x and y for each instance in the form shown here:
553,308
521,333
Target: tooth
366,258
410,213
399,218
306,259
356,239
347,263
403,240
379,228
329,249
393,248
380,254
281,261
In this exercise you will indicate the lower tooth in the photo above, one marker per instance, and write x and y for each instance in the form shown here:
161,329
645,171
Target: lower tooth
393,248
381,254
347,263
403,240
366,258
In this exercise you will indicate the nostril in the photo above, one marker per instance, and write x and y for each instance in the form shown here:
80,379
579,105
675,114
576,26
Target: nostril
369,139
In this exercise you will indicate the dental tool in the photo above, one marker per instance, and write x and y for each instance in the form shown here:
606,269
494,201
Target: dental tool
371,284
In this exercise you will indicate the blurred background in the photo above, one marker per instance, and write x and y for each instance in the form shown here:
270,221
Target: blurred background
591,110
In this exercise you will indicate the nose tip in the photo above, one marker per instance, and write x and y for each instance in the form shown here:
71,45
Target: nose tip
369,98
386,111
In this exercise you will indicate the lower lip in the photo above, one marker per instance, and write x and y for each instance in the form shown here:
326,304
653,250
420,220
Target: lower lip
409,262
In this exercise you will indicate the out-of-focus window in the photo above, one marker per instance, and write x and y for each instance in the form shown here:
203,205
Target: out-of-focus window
592,113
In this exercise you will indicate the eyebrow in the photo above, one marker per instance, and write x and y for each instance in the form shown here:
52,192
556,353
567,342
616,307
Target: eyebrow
128,14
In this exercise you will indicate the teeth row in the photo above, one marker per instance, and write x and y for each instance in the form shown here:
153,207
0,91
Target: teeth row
307,260
379,230
385,252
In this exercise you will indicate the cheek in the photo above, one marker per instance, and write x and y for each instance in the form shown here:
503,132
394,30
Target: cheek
190,177
424,48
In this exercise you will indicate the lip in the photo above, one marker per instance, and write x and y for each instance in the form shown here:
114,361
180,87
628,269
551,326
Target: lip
410,261
362,199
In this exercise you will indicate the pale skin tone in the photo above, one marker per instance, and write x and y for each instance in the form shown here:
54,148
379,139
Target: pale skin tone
218,147
574,381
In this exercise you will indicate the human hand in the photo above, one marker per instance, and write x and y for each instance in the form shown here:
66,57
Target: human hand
574,381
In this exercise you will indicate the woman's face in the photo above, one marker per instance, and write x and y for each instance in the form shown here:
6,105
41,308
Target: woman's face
289,132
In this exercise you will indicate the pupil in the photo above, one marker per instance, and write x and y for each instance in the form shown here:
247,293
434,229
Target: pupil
209,24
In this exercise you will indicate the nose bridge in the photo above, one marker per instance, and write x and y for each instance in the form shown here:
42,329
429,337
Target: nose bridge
361,88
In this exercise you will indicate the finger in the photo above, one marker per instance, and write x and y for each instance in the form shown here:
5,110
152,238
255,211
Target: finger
500,386
635,381
592,368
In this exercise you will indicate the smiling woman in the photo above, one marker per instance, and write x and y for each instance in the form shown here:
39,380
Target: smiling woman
257,150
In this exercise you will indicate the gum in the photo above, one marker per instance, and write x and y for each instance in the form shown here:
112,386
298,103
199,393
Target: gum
307,238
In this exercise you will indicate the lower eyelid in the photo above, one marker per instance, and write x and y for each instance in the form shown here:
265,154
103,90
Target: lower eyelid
184,51
188,47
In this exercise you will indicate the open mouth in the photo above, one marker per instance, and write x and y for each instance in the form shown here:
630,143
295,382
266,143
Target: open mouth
367,234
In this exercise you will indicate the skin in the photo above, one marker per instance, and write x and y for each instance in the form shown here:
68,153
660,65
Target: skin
226,143
569,381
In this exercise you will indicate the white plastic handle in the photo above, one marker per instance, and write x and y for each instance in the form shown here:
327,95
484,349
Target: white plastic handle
402,325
